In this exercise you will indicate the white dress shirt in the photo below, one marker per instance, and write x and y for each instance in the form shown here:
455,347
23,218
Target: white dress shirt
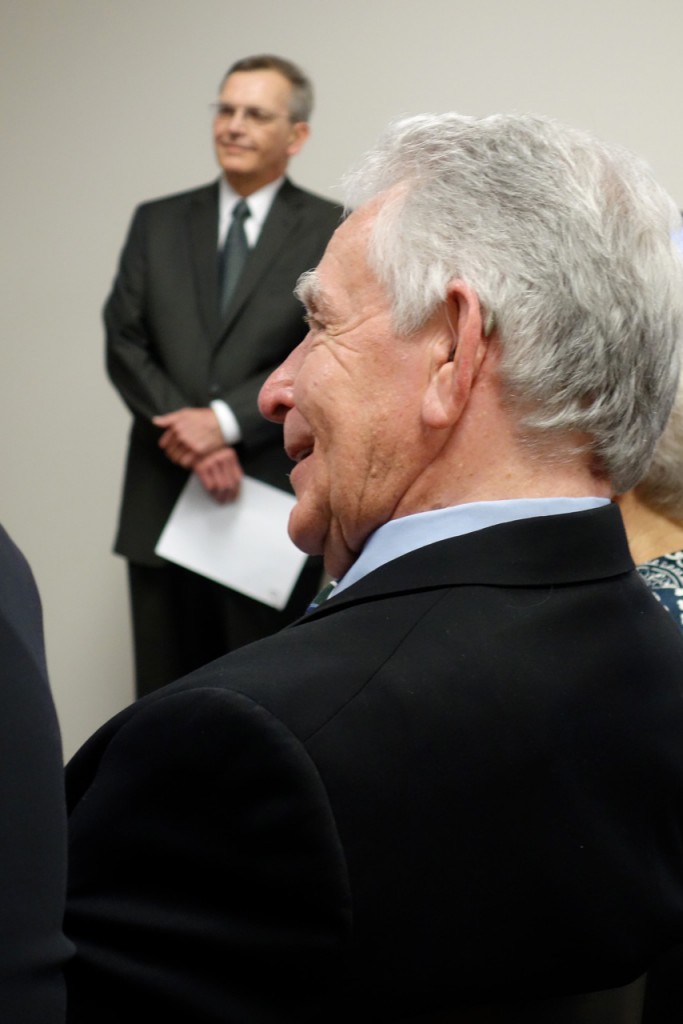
259,203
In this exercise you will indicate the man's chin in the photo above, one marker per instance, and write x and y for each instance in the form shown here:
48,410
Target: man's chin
318,534
306,532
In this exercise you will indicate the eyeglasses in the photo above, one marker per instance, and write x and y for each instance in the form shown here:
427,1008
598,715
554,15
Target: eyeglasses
251,115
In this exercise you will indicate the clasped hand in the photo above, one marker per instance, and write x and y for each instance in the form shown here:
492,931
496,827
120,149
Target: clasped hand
192,439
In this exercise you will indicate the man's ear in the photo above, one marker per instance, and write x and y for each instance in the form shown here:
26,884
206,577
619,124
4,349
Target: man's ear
458,354
299,133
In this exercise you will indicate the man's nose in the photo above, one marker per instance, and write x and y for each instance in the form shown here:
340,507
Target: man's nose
236,120
276,396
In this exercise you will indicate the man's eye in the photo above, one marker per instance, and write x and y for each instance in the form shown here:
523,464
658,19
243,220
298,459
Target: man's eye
257,115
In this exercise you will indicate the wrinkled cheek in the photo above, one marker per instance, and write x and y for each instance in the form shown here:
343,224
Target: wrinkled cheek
351,512
368,504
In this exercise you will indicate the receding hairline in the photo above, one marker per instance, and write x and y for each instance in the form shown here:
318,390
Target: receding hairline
301,100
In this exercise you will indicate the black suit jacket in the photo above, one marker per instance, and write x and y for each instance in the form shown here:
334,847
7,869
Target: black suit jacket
460,780
167,347
33,948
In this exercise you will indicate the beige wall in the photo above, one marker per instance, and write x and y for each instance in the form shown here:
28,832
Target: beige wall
104,104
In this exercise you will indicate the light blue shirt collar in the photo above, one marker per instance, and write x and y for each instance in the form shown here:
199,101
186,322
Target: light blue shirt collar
399,536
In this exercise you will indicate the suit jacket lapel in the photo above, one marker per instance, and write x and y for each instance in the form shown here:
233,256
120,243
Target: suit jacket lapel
281,220
203,232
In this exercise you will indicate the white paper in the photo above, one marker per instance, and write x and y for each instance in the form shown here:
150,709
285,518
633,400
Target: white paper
243,545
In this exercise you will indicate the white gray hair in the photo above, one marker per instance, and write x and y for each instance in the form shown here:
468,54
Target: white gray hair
567,243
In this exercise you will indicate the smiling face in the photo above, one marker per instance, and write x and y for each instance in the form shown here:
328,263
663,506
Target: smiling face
252,131
350,398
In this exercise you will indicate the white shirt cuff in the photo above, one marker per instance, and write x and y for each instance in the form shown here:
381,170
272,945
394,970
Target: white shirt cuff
227,421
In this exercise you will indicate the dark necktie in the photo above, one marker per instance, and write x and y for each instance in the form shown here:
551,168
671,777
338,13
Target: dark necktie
234,254
322,596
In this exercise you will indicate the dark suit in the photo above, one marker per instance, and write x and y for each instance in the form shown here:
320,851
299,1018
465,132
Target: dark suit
460,780
33,948
167,347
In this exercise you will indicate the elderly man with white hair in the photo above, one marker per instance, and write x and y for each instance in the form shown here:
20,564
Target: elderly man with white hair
452,791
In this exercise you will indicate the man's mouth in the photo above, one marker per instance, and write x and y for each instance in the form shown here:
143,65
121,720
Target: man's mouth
297,452
302,454
299,439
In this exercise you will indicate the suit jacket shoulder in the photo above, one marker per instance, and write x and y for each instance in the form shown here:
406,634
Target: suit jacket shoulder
491,731
290,194
178,200
33,949
294,194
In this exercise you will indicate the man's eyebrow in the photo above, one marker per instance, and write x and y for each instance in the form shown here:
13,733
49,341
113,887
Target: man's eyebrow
308,289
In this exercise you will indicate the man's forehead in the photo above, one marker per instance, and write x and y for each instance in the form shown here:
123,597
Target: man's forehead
264,81
349,244
344,272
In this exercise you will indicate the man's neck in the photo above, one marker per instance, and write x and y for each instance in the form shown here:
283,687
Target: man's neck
484,457
246,186
505,476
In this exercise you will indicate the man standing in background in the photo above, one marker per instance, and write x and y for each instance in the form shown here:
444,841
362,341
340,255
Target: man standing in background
200,313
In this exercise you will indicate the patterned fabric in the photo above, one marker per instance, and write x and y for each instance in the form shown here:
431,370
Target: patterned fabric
664,575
